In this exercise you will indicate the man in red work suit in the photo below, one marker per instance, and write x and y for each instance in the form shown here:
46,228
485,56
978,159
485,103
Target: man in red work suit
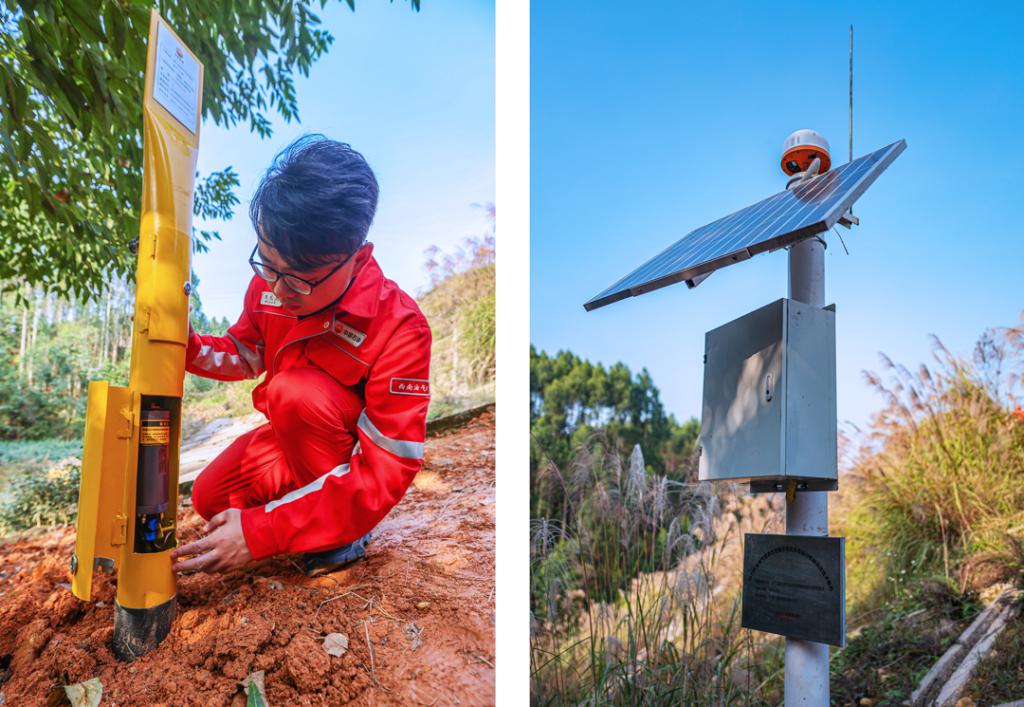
346,358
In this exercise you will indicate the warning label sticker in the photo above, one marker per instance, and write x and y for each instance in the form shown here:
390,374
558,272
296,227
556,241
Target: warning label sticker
155,435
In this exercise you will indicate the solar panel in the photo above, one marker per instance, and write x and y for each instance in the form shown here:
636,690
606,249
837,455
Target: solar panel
809,208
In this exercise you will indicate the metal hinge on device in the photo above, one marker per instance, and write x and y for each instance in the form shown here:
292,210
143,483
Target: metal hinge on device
128,415
120,530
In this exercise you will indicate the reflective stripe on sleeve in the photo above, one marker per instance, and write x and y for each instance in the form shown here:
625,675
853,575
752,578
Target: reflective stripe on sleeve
220,362
245,364
253,358
399,447
312,486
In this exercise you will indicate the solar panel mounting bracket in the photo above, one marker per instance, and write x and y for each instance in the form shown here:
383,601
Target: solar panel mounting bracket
848,220
697,279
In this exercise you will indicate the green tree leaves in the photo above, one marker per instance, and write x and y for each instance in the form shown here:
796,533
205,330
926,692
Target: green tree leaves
214,198
71,87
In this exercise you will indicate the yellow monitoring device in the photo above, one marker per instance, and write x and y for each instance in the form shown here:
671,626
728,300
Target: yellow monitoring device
128,497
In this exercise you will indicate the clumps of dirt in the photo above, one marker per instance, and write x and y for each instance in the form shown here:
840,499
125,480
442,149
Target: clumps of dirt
418,611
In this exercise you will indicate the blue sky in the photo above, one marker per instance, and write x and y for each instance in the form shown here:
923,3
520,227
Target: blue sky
414,92
651,121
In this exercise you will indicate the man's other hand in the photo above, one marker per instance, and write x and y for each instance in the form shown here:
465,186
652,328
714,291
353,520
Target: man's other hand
222,549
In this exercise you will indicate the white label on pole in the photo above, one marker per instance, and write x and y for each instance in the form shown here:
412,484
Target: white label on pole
176,78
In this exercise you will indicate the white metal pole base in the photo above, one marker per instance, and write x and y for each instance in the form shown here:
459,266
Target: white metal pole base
806,672
806,684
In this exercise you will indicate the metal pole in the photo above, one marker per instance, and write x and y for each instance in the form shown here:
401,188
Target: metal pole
806,674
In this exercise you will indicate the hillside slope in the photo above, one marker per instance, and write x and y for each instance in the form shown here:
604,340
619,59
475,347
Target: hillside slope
418,612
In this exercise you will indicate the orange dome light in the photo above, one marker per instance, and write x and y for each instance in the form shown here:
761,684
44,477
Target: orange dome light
800,149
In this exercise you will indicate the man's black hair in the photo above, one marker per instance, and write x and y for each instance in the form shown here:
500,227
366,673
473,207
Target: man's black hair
315,202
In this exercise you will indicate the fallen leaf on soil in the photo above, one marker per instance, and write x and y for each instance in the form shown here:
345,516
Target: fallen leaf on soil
336,644
85,694
256,695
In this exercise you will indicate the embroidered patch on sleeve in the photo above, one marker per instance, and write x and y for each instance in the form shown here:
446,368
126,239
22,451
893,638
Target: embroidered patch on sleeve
349,334
270,299
410,386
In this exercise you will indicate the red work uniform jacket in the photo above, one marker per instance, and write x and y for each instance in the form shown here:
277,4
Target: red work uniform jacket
375,339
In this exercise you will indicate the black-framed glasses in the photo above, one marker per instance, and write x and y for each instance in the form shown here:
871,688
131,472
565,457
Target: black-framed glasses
296,283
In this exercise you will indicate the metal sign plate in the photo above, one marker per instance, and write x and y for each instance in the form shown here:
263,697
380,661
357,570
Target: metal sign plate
795,586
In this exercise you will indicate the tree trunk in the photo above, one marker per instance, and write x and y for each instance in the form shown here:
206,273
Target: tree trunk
32,341
104,326
24,343
116,321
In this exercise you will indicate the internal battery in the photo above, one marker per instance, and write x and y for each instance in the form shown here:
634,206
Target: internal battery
154,446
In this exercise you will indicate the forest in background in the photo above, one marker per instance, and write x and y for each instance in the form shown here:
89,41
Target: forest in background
572,398
50,347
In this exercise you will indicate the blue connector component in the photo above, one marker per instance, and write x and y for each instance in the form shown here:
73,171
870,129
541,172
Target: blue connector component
151,526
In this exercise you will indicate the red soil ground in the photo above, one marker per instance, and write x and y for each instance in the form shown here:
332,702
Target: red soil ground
418,612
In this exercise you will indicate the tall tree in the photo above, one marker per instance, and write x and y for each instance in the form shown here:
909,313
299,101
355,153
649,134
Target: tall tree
71,87
571,397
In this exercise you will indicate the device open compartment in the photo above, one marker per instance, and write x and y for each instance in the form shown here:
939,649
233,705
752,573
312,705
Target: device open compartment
156,474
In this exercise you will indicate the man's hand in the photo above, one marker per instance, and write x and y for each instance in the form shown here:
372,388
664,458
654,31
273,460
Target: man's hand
222,549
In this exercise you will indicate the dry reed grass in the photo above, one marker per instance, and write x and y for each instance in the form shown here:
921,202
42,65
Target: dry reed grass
626,605
936,488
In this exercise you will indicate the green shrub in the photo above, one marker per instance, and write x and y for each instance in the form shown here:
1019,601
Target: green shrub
37,455
460,309
477,324
937,490
29,413
41,498
887,659
197,385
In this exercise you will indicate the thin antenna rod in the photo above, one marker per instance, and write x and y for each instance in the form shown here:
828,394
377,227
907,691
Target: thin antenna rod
851,93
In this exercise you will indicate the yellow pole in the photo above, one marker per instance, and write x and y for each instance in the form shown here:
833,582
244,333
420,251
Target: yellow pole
128,495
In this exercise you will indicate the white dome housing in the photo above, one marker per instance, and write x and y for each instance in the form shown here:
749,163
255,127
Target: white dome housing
800,149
